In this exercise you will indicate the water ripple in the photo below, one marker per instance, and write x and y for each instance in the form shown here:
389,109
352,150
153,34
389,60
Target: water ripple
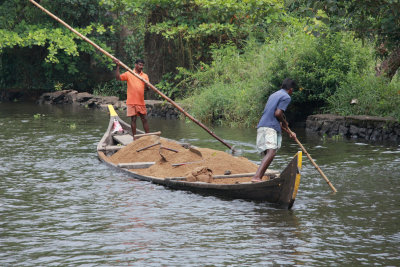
60,206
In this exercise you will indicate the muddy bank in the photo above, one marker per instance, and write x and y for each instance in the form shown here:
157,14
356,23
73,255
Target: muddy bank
155,108
369,128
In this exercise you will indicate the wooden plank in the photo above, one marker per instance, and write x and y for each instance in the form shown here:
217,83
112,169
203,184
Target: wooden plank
112,148
176,178
186,163
144,148
124,139
239,175
146,134
136,165
243,175
170,149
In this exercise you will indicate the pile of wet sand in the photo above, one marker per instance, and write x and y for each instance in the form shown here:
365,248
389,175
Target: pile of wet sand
218,162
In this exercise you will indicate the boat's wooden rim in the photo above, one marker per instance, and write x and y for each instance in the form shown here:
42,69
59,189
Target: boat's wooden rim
104,158
281,189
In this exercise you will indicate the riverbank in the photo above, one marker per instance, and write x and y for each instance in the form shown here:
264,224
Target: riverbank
369,128
155,108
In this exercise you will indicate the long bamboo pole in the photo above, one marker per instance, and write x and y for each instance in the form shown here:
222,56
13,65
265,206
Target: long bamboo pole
131,71
313,162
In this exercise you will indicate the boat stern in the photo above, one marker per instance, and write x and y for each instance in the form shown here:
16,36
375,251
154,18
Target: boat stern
291,175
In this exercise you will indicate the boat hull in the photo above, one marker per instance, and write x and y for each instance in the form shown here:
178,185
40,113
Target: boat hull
280,191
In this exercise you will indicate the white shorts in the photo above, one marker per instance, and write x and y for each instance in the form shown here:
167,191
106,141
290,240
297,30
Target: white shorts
268,138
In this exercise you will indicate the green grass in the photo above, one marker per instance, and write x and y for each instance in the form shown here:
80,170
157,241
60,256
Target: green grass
376,96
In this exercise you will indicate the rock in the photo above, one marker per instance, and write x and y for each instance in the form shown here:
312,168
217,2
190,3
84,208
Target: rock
365,127
83,97
71,97
343,130
58,97
353,130
155,108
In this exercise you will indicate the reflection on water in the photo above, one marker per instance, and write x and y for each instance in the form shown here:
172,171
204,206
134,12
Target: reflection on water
60,206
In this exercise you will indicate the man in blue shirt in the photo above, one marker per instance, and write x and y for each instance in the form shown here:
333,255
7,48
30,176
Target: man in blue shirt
269,128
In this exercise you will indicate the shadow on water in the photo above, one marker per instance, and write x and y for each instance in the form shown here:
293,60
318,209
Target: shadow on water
60,206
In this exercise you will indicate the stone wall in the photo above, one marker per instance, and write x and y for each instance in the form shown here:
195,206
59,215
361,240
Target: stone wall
155,108
362,127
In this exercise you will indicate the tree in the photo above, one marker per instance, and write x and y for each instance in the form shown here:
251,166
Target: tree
37,52
377,20
180,33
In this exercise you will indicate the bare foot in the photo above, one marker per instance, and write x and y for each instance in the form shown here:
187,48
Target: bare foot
256,180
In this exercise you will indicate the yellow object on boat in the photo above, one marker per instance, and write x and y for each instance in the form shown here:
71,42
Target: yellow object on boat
112,111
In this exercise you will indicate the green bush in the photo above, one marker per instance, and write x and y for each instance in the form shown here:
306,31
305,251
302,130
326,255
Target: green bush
167,85
111,88
375,96
323,66
234,88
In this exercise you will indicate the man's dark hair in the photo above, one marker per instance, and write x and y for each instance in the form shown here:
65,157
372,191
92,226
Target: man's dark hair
139,61
288,83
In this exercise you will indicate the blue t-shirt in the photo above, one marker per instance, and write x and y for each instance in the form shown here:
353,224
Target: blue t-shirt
280,99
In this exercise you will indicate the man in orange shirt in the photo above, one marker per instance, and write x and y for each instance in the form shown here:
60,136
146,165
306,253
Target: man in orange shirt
135,104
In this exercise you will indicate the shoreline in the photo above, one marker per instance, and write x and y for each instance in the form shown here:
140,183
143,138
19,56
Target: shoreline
362,127
155,108
370,128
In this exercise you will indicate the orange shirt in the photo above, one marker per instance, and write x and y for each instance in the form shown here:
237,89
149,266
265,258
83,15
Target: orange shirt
135,92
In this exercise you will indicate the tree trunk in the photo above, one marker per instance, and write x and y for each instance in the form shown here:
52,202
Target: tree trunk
155,48
390,65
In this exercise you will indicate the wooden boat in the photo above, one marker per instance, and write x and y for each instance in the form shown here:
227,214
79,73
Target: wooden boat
280,189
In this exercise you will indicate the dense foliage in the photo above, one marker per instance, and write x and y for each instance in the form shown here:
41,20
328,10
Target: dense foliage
237,84
181,33
37,52
367,94
222,58
372,20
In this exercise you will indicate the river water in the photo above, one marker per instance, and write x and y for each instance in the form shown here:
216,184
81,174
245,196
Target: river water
60,206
